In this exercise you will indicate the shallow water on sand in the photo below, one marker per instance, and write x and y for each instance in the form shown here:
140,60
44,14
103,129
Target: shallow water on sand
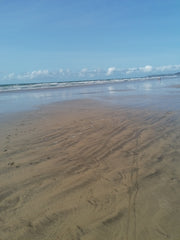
155,93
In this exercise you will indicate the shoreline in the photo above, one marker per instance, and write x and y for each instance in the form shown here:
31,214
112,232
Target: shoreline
84,83
150,93
86,170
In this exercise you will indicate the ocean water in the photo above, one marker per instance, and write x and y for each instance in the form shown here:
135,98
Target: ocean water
159,92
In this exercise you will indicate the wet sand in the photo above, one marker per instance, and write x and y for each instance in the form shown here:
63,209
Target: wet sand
84,170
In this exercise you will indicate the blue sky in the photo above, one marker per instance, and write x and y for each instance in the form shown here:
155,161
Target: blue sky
43,40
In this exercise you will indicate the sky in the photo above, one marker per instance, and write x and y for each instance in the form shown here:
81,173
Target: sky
56,40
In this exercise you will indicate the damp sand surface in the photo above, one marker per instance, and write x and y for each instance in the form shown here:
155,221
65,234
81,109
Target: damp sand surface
85,170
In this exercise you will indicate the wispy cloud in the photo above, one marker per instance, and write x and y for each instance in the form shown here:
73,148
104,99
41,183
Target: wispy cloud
34,74
149,69
9,76
83,72
28,75
38,75
130,70
145,69
168,68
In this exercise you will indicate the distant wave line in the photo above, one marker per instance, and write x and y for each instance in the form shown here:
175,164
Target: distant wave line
51,85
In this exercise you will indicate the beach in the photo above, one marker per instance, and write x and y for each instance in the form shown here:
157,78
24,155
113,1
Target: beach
90,120
85,169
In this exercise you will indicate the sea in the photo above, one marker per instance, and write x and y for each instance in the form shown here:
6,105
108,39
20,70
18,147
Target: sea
161,92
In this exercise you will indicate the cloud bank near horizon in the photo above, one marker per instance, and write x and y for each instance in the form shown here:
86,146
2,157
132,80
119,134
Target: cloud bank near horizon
86,74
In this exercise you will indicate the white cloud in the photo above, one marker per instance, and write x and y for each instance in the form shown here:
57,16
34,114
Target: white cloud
131,70
39,73
90,73
61,70
147,68
10,76
168,68
85,73
84,70
33,75
110,71
163,68
28,75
